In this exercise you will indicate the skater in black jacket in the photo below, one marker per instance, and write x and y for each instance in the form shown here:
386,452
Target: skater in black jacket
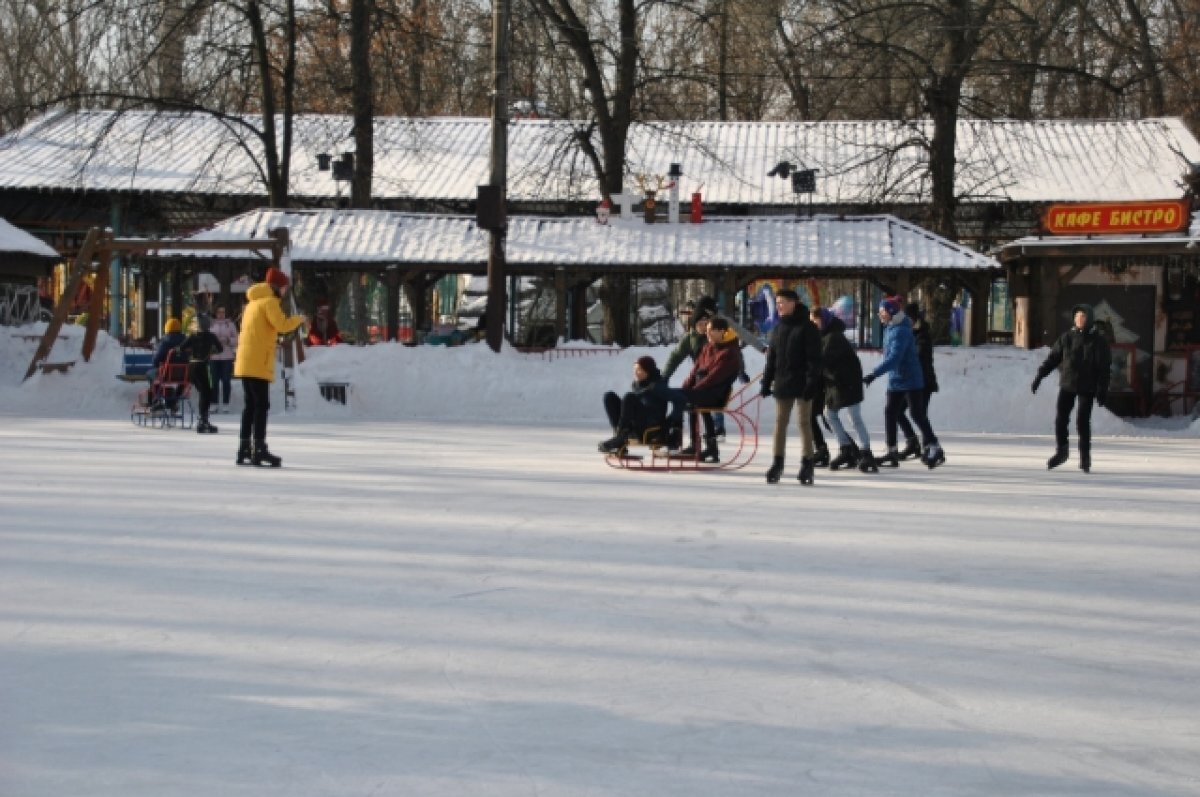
199,349
1084,363
793,375
842,372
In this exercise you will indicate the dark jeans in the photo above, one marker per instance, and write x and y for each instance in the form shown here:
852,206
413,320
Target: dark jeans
222,371
710,397
257,394
893,411
1083,421
201,379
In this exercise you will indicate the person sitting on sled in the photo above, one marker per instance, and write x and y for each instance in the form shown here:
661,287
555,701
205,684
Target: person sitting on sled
717,367
643,407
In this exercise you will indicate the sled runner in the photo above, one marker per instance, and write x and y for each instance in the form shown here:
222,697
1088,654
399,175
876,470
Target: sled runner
167,403
650,452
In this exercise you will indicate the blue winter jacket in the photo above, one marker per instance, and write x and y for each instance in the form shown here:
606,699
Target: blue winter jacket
900,360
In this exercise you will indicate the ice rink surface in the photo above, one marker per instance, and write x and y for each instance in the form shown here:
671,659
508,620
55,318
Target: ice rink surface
462,608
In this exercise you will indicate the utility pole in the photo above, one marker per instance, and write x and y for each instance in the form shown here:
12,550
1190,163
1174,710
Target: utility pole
497,269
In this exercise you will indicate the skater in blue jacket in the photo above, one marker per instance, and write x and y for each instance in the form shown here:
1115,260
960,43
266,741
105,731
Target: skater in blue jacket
906,384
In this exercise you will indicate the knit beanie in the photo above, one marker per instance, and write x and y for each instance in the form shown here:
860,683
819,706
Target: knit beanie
276,278
891,305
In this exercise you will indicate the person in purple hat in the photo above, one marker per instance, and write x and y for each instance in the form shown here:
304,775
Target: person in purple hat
906,384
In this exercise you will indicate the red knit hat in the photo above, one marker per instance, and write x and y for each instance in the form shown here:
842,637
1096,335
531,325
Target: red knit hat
276,278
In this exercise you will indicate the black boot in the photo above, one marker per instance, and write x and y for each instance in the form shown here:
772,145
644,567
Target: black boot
889,460
866,461
243,455
847,457
806,471
821,457
1085,459
912,449
776,471
710,452
264,458
613,445
1061,455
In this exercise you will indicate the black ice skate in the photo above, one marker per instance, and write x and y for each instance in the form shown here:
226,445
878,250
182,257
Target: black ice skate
264,458
933,456
847,457
912,449
1060,456
806,471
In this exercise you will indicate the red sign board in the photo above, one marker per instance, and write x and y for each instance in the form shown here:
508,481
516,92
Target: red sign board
1117,218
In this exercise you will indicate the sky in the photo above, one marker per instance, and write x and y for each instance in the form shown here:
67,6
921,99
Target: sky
445,591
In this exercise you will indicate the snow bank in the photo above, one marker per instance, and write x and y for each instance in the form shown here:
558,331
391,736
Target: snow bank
983,389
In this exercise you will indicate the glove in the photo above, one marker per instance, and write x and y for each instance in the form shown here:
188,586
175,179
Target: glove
765,390
743,377
868,379
1037,381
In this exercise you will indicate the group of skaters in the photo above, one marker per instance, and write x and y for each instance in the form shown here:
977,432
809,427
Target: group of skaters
813,371
217,352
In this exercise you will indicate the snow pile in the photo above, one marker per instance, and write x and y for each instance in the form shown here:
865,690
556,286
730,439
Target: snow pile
983,389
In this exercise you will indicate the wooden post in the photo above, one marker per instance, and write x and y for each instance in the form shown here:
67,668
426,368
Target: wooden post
96,305
391,278
560,305
83,262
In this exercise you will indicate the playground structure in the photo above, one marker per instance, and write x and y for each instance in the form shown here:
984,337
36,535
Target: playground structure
95,257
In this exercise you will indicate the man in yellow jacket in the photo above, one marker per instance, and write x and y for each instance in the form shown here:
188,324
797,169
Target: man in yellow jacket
263,322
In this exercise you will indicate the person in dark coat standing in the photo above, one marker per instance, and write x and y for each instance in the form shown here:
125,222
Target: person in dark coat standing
842,372
199,349
924,338
1084,362
906,384
793,376
643,407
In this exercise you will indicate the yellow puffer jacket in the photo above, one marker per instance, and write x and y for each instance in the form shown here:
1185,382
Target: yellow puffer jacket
262,323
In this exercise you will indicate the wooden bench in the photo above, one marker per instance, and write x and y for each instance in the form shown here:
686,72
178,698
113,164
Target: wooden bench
55,368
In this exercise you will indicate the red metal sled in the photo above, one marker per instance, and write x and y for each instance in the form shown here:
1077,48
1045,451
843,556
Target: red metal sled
741,413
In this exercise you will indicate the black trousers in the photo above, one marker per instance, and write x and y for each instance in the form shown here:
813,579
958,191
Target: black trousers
625,413
905,426
254,414
1083,421
201,378
897,403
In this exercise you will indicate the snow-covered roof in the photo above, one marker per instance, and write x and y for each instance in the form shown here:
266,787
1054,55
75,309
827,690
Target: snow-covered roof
14,240
539,243
445,159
